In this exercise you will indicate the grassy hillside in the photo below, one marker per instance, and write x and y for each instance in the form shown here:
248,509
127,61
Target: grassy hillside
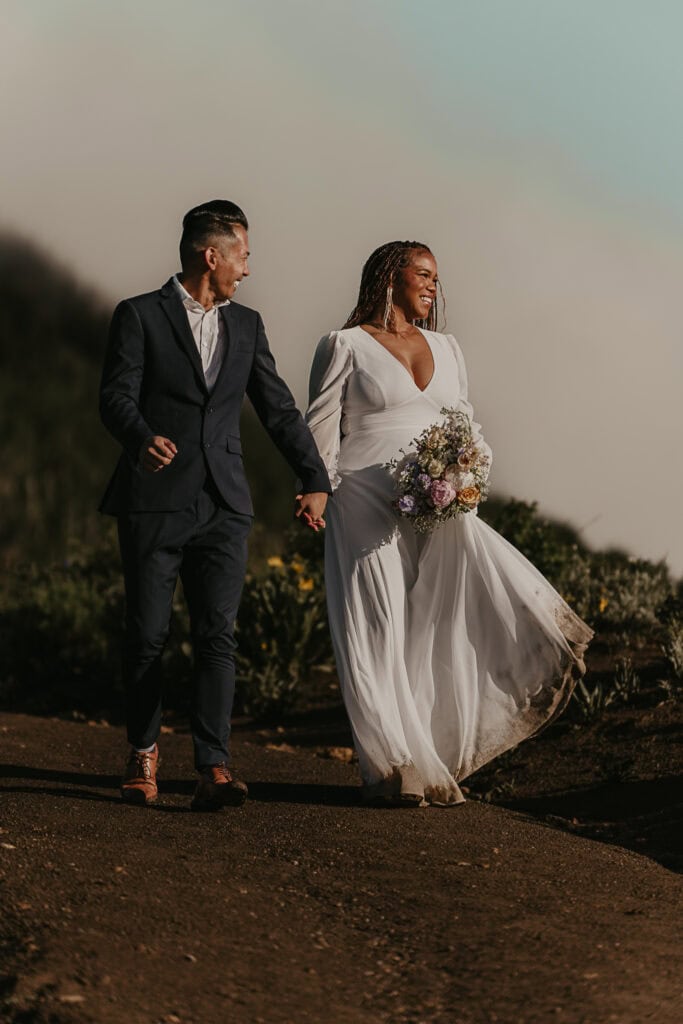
56,457
52,333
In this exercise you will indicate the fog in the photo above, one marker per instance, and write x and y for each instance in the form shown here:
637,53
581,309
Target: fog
530,145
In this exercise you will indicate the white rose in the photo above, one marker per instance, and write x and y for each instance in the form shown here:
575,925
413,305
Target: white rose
457,477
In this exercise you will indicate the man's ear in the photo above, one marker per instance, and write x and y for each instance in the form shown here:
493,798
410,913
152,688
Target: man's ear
210,257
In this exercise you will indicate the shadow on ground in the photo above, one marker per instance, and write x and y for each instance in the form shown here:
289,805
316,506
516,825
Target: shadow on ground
645,815
87,786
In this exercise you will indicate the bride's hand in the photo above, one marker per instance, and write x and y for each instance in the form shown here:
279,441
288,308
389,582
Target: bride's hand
310,507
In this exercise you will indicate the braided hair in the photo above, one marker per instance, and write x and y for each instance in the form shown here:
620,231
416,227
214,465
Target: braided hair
376,282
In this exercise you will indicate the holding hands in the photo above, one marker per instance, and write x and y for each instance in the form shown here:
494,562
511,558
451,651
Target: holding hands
157,452
310,507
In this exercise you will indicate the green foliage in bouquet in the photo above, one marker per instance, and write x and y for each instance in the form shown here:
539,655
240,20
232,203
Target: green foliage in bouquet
443,474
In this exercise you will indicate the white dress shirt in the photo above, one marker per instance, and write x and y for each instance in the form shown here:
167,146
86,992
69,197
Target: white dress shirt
208,331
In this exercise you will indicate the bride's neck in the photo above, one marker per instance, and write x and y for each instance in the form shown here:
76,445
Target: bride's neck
398,323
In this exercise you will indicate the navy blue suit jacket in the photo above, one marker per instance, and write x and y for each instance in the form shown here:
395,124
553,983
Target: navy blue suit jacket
153,383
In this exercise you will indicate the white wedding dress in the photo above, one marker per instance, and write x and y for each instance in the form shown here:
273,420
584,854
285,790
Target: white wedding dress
450,647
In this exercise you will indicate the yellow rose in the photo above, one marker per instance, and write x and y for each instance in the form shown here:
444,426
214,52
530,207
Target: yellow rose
435,468
469,496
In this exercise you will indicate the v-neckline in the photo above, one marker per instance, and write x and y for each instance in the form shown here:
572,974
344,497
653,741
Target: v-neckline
402,365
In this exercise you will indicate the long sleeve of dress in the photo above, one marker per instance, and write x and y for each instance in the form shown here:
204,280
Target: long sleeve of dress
332,364
464,402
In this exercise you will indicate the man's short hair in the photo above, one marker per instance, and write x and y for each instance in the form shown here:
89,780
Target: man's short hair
204,224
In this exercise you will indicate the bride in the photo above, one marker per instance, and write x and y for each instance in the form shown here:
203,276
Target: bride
450,647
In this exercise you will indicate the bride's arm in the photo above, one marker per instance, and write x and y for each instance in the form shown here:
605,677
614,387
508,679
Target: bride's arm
332,364
464,403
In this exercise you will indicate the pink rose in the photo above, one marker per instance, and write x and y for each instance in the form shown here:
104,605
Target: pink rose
442,493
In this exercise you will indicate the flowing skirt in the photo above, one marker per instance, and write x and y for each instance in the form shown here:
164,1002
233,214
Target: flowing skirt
450,647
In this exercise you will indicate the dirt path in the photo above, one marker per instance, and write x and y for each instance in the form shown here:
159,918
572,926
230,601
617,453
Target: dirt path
303,906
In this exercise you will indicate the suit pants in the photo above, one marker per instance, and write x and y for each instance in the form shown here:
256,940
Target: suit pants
206,544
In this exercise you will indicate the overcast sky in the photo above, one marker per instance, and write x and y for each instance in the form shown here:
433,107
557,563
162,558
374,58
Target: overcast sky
535,145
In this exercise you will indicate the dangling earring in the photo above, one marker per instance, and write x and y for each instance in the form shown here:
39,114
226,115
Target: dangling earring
388,311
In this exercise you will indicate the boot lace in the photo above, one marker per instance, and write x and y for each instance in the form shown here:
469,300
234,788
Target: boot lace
142,763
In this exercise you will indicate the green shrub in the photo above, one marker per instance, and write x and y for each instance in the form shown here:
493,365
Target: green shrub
672,648
630,591
61,626
589,702
60,633
549,545
282,630
608,589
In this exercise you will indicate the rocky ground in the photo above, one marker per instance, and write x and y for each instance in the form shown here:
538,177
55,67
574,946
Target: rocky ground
303,906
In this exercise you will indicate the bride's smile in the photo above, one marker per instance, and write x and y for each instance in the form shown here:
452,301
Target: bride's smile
415,290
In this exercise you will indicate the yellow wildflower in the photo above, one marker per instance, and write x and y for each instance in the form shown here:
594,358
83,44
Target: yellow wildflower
306,583
264,645
603,604
298,567
275,562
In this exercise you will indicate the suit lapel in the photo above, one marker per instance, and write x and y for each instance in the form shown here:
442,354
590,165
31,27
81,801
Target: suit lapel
175,311
227,312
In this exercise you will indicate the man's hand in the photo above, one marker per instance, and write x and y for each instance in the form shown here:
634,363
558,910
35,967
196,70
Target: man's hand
157,452
310,508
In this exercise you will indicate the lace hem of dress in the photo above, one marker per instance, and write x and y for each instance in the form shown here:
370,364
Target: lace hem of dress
404,787
542,708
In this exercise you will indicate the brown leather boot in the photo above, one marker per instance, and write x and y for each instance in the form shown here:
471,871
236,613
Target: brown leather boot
218,788
139,784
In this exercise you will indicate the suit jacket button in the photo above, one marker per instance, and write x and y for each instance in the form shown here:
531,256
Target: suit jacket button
210,409
207,444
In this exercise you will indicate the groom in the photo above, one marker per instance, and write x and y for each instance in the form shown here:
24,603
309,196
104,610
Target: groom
178,364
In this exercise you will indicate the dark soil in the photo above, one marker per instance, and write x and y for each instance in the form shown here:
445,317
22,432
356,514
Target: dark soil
303,906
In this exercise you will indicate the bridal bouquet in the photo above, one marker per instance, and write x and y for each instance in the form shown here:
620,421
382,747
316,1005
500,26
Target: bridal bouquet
443,475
